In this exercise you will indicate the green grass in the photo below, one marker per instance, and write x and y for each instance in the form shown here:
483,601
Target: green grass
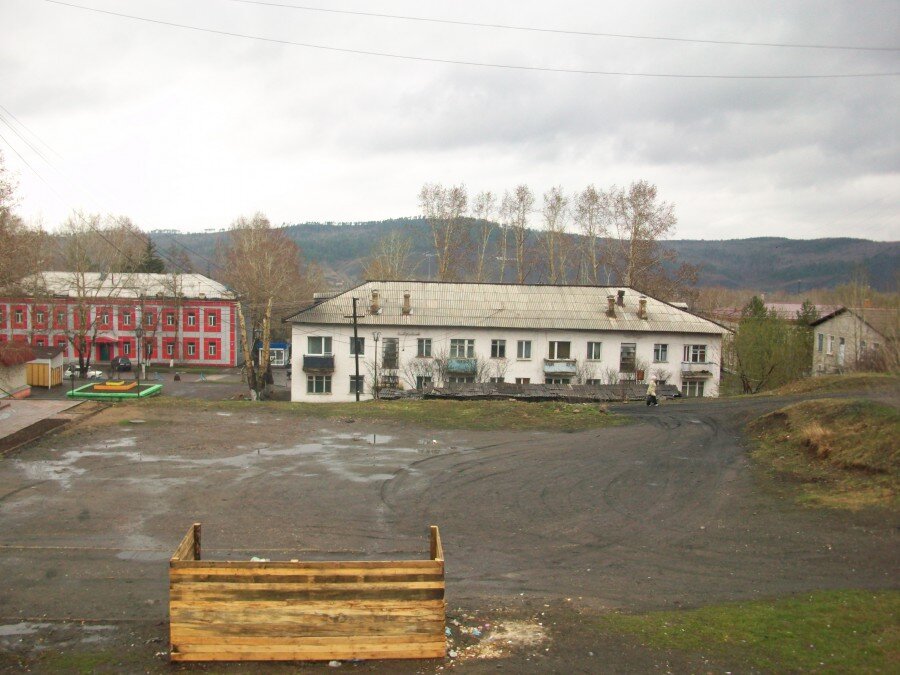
848,382
829,631
841,452
432,414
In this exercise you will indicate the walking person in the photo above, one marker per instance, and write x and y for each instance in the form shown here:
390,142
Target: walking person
651,394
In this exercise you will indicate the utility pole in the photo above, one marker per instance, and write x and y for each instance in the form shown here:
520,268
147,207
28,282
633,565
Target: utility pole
356,316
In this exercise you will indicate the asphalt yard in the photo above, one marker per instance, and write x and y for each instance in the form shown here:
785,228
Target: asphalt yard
543,532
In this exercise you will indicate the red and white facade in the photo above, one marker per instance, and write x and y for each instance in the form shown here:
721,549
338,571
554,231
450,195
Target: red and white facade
196,326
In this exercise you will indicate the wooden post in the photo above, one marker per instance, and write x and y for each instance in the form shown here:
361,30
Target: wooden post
437,549
196,541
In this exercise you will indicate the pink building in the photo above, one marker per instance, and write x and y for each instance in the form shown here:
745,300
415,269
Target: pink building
185,318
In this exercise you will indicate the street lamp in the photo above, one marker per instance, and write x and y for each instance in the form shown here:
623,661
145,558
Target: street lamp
139,334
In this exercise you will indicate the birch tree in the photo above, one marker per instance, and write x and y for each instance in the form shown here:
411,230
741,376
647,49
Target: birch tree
554,213
588,216
443,209
518,206
483,212
265,268
390,261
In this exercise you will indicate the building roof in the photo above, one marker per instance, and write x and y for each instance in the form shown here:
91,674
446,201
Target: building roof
783,310
883,321
126,285
527,306
47,353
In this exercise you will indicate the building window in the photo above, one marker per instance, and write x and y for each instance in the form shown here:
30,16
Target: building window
170,349
211,320
170,319
695,353
461,379
104,318
423,348
318,384
660,353
126,317
19,316
191,319
357,346
830,345
692,388
39,342
148,350
191,349
126,348
318,345
523,380
357,384
462,349
390,354
821,342
627,357
593,381
423,381
523,349
60,317
496,379
556,380
211,349
39,317
498,349
560,350
594,351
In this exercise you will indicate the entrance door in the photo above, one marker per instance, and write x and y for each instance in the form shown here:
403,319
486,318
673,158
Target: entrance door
105,352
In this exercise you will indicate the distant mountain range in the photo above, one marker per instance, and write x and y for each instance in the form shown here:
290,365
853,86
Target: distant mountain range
763,264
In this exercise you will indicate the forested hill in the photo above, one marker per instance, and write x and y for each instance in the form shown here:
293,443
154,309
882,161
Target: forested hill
764,264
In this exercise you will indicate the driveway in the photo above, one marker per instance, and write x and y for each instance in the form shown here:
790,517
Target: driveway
663,513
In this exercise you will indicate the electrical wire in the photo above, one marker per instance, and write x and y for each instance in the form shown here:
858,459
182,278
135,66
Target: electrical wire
559,31
478,64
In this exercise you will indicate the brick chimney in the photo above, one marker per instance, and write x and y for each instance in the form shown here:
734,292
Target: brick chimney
621,301
611,305
642,307
375,307
407,307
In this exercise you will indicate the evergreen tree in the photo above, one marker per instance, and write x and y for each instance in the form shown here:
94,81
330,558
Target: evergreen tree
150,261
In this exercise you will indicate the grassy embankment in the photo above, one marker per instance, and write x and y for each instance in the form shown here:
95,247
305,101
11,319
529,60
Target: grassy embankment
432,414
843,453
829,631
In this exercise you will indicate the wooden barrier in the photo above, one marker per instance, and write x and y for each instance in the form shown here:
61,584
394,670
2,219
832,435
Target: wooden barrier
287,611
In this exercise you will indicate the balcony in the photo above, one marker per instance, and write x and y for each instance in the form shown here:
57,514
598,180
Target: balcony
695,370
559,366
462,366
318,365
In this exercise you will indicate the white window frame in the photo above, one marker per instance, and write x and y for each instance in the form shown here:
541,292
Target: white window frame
460,379
126,317
126,349
462,348
523,350
821,345
498,349
192,319
523,380
661,352
423,348
594,351
423,380
693,354
359,382
356,343
554,347
829,349
324,347
211,349
170,319
61,316
19,315
170,349
39,316
692,389
557,380
313,382
191,348
212,320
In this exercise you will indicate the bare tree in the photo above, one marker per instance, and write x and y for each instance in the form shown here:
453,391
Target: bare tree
483,211
417,368
443,209
637,221
391,259
21,247
499,369
555,213
584,371
588,215
518,206
264,267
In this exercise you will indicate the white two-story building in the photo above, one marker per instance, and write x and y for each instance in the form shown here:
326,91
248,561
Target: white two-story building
412,334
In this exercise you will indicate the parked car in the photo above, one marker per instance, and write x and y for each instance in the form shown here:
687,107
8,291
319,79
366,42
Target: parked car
92,373
120,364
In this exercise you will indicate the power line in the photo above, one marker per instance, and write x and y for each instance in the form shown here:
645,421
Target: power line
479,64
559,31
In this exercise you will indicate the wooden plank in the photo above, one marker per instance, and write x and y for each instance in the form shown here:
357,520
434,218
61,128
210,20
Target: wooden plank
352,605
375,645
188,611
435,651
323,564
296,594
437,549
388,642
237,586
306,580
436,569
263,633
185,548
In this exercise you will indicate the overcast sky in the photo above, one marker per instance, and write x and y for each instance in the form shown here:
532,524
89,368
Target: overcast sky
183,129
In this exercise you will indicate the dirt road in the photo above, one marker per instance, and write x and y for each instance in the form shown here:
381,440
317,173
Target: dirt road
663,513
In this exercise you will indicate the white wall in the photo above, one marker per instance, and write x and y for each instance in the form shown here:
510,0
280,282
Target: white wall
533,368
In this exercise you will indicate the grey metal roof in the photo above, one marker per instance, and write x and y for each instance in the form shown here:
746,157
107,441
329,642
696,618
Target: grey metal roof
126,285
532,307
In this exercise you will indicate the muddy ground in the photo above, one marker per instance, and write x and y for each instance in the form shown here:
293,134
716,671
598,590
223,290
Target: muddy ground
542,532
